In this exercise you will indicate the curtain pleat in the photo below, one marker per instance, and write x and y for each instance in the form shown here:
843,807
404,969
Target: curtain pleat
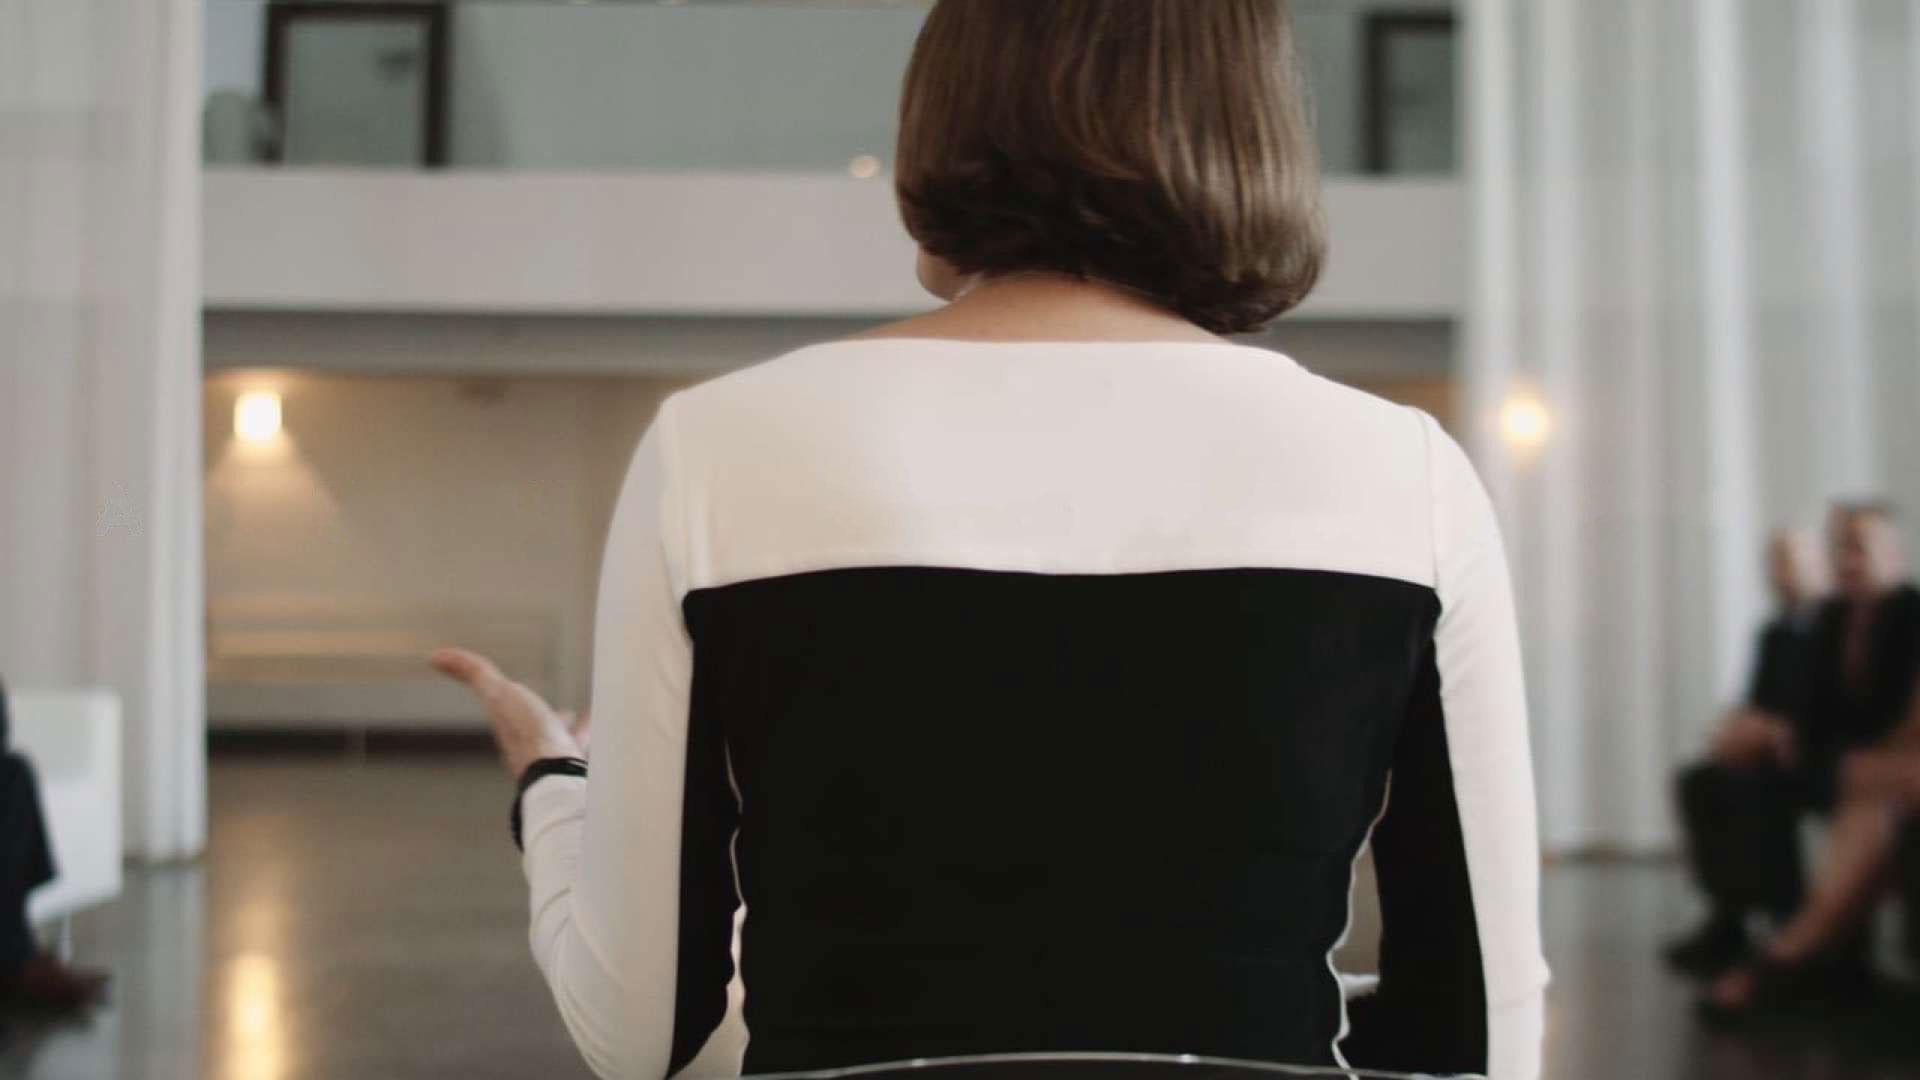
100,540
1695,242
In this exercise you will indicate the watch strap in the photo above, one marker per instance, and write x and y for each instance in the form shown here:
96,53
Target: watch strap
539,770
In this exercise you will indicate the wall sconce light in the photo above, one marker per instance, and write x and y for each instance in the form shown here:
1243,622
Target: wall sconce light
864,167
1525,422
256,416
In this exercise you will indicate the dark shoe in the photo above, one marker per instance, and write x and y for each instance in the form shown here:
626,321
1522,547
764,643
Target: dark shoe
1757,991
1766,989
1710,950
45,985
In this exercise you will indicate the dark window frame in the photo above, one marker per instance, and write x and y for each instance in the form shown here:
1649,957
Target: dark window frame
1383,28
432,16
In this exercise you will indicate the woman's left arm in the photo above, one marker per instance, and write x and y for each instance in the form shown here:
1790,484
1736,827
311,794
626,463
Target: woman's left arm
630,871
1456,852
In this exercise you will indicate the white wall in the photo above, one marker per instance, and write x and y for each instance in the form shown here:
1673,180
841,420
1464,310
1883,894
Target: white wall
691,243
437,473
396,502
690,348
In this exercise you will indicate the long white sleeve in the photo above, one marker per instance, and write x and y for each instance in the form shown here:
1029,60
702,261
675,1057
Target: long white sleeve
603,855
1455,850
1483,698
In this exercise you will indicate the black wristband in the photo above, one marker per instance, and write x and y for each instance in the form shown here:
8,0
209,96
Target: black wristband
551,766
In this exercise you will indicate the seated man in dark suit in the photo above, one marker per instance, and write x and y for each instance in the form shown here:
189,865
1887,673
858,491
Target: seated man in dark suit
30,978
1866,647
1862,657
1742,806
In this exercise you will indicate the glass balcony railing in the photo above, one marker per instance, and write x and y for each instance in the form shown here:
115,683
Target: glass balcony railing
635,85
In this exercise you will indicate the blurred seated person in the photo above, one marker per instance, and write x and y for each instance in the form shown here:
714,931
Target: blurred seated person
1866,646
31,979
1742,806
1874,846
1862,661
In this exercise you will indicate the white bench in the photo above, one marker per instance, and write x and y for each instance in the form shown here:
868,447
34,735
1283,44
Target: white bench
72,737
293,663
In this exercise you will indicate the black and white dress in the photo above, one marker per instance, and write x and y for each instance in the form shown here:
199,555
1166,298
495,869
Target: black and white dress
1042,697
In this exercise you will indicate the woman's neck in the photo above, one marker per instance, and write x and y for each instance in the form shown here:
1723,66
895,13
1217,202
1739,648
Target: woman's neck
1035,306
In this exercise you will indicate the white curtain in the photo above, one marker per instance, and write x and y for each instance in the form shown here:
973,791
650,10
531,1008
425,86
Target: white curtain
1695,246
100,570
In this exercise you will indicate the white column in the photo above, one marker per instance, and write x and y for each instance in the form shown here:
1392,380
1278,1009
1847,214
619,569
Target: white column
100,571
1641,727
1560,487
1913,114
1732,520
174,760
1490,346
45,134
1840,374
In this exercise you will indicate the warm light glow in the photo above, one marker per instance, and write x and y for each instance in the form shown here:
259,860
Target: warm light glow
864,167
256,416
256,1036
1525,422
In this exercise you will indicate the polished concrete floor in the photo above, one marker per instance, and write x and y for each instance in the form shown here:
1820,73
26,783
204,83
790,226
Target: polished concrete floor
365,920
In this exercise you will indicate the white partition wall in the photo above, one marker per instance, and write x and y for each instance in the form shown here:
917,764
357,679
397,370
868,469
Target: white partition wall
739,244
100,381
1694,247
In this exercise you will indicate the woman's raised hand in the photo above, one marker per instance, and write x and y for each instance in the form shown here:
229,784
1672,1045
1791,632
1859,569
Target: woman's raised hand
525,727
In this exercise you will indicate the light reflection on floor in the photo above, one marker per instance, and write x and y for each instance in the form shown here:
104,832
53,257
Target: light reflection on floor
256,1039
366,921
350,921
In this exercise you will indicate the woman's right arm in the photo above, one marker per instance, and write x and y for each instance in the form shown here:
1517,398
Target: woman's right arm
630,872
1456,852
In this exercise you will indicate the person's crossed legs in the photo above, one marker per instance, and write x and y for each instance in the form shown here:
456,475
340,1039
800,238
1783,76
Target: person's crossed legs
1880,793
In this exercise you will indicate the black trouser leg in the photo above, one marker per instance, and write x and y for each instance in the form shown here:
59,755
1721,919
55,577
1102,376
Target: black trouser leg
26,859
1743,833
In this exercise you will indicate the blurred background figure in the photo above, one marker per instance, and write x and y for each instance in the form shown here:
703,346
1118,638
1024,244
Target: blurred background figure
1846,757
1867,644
1823,951
1742,807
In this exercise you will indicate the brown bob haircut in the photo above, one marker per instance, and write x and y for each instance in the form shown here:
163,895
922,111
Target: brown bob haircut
1160,145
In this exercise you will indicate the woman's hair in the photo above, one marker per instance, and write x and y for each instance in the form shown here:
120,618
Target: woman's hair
1160,145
